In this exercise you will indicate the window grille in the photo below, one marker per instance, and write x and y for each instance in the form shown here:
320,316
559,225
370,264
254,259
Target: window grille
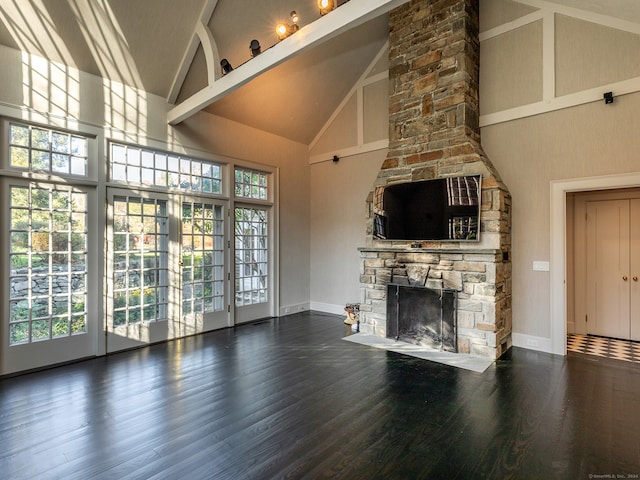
43,150
139,166
251,184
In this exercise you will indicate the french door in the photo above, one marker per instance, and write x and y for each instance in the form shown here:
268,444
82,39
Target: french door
139,306
50,292
167,259
254,292
204,275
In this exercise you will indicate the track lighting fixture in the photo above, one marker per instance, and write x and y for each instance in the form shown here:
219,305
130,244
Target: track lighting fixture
226,66
283,30
254,46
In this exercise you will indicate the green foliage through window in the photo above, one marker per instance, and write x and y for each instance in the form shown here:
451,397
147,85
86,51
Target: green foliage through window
48,259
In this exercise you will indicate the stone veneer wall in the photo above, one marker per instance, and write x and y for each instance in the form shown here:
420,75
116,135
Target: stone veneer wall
434,133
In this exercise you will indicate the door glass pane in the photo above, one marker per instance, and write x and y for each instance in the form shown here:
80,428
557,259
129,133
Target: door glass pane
140,272
48,257
202,258
251,286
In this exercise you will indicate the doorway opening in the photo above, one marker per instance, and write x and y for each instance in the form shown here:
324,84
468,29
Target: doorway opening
603,260
560,189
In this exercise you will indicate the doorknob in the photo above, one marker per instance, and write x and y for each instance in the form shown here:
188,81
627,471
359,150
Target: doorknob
625,278
635,278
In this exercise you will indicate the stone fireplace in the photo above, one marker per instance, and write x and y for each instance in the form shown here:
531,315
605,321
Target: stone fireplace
434,133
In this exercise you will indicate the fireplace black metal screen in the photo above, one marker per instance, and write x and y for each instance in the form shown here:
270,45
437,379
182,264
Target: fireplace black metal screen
422,316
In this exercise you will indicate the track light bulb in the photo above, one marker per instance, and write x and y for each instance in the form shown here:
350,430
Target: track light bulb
281,30
326,6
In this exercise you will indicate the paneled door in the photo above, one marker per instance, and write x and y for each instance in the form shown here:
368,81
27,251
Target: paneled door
613,268
634,248
49,295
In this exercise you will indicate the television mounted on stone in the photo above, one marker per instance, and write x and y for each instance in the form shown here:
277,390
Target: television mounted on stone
445,209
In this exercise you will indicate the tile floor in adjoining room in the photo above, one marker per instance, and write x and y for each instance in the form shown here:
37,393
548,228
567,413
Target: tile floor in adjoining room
625,350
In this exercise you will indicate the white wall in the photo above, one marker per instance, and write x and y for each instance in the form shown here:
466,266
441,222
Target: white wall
338,212
357,135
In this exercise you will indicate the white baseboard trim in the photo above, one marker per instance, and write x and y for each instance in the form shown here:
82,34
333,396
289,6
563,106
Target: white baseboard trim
327,308
291,309
540,344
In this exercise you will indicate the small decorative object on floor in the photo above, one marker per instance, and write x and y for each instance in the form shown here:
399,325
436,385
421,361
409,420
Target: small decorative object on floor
353,315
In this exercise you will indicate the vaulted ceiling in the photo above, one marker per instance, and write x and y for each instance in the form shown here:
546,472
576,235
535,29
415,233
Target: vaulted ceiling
144,43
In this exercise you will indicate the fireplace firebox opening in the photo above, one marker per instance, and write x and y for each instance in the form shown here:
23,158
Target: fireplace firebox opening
422,316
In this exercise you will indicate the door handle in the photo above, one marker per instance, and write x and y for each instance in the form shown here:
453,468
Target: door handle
625,278
635,278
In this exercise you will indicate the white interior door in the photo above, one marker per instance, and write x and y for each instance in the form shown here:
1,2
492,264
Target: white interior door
203,265
635,269
608,262
49,297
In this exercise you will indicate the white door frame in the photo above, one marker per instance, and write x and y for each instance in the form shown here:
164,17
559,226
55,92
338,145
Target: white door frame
558,245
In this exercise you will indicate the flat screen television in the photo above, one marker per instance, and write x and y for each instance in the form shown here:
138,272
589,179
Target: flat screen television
441,209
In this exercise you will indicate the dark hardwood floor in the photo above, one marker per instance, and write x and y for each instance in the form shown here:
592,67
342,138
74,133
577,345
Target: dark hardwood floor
287,398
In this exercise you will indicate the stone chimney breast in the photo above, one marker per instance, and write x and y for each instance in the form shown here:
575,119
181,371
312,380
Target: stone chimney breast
434,133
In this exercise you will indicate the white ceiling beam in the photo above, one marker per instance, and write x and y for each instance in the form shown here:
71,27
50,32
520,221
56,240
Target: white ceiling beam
210,52
190,53
346,17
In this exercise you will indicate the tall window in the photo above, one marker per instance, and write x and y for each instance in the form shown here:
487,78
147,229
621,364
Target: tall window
48,258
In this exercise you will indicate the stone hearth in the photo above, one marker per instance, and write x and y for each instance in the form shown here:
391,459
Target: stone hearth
434,133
